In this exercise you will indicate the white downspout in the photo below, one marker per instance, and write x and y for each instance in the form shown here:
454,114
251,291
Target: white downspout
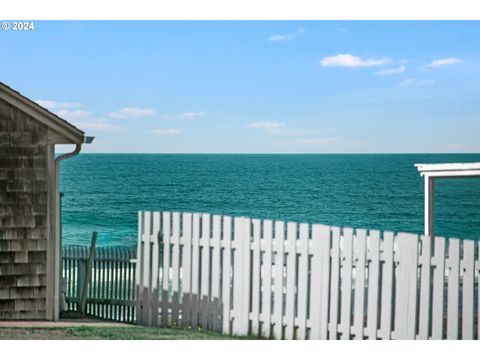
58,236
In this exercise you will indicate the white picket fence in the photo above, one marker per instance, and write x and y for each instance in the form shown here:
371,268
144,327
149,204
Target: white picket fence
245,276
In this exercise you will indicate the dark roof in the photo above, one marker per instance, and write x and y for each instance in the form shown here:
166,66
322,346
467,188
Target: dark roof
49,118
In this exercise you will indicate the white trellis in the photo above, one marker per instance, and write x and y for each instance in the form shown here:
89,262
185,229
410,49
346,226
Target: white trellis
430,172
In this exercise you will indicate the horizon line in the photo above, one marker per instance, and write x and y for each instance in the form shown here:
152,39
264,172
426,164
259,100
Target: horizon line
269,153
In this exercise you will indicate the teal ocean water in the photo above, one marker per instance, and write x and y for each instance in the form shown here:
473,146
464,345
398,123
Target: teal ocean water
103,192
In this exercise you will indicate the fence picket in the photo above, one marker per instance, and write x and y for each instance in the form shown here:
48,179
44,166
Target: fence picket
315,304
424,313
438,292
226,273
279,280
196,271
165,268
215,271
346,286
205,278
302,292
291,270
373,242
453,265
139,265
256,277
175,304
245,295
186,267
359,301
155,269
325,236
240,327
146,271
406,299
468,284
334,284
267,278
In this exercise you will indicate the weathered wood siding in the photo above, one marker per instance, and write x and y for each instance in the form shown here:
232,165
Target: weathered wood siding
23,215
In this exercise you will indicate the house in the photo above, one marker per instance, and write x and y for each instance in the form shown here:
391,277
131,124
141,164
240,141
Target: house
30,249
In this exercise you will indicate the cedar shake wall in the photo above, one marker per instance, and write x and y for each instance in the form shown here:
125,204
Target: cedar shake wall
23,215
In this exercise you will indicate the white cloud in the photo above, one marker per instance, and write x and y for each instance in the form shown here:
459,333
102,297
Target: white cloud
444,61
392,71
289,132
166,131
185,115
132,112
72,114
281,129
460,147
326,141
318,141
266,125
285,37
348,60
50,104
411,82
97,125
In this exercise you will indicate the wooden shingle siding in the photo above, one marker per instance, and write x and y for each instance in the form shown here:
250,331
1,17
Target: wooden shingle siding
23,215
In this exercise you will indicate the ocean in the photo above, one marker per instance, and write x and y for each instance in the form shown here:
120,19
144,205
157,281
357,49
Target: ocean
103,192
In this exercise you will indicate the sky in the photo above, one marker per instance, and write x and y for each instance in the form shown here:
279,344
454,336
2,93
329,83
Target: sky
255,87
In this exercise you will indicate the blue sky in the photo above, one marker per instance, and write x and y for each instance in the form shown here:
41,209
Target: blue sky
255,87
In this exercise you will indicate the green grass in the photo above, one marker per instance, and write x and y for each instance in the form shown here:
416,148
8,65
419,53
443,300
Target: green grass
106,333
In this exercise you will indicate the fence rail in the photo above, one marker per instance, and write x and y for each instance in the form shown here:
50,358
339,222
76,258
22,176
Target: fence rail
111,294
300,281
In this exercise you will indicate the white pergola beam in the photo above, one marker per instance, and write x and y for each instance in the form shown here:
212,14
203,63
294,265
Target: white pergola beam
430,172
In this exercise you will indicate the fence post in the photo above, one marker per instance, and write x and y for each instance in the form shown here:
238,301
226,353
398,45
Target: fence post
81,277
87,274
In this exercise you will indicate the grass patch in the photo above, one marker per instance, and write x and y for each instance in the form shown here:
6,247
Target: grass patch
107,333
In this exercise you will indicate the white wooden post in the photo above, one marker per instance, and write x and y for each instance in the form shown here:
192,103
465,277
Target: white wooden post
429,206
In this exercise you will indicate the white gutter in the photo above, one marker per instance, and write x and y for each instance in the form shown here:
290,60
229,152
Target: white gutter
57,232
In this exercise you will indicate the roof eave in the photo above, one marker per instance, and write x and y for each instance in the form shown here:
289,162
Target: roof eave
64,128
